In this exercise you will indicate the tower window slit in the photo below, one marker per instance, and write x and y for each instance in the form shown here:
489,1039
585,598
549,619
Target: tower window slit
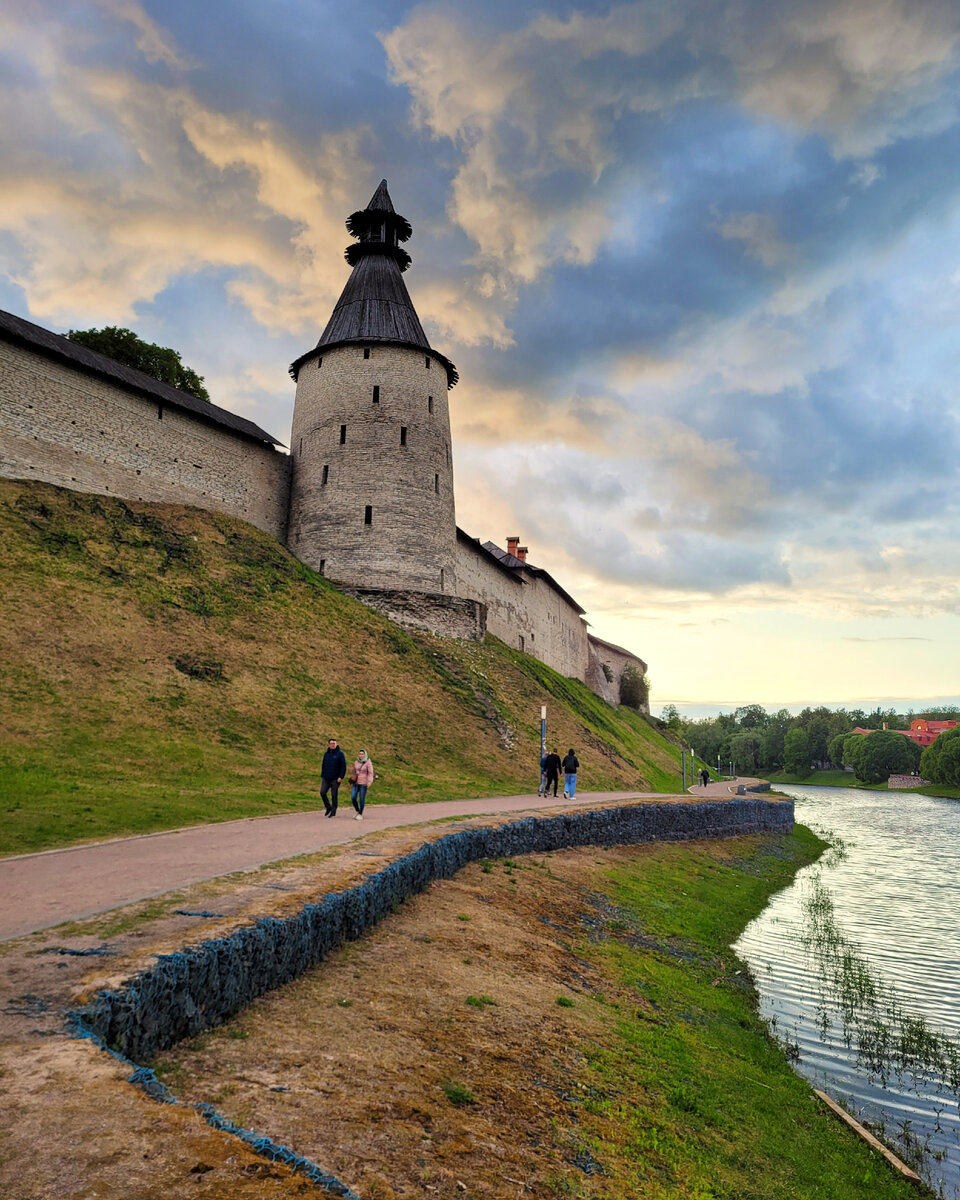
319,362
159,412
428,361
436,484
368,515
403,435
301,445
441,579
323,565
430,404
343,435
366,352
376,393
326,475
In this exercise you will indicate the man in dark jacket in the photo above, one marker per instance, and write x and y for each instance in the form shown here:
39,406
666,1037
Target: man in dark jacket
571,765
552,771
332,771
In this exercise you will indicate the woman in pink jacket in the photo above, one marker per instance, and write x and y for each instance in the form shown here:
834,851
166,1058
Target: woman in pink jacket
361,779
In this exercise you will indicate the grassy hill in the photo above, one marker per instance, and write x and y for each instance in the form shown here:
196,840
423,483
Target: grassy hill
164,666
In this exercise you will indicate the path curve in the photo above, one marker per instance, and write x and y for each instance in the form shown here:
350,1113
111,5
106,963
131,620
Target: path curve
44,889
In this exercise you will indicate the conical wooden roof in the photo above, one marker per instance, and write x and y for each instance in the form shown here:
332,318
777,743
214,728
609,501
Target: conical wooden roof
375,305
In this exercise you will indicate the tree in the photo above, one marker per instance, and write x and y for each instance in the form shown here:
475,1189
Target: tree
634,689
939,762
751,716
123,346
886,752
670,716
796,752
852,747
745,750
835,748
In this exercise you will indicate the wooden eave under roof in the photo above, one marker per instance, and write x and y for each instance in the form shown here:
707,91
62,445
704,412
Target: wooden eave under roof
53,345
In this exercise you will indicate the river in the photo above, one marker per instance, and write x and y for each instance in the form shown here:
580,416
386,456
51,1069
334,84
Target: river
858,967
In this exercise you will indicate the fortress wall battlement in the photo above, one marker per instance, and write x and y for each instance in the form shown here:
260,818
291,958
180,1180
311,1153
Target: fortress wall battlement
65,426
390,450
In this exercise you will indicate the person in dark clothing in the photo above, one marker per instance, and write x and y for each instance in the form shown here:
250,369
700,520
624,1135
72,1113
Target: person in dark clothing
332,770
571,764
551,768
704,777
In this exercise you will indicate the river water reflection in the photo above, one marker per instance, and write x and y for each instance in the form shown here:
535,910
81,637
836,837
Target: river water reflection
858,965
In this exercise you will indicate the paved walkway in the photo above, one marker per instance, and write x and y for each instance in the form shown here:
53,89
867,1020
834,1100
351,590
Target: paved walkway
726,787
40,890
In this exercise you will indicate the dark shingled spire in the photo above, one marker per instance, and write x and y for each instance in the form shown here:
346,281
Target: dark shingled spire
380,200
375,306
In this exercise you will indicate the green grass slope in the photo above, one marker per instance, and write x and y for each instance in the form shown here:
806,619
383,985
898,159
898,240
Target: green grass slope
164,666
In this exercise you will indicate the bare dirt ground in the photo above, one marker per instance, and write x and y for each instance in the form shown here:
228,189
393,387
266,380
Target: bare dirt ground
375,1065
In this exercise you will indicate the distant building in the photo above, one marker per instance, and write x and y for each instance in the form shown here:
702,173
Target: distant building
921,731
365,495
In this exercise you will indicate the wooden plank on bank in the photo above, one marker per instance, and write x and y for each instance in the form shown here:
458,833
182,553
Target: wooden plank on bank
868,1137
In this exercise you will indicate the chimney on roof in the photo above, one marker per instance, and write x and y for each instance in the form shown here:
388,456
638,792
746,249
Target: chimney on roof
522,553
512,544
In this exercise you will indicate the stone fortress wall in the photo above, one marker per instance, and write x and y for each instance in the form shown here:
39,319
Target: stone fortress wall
524,612
61,424
372,492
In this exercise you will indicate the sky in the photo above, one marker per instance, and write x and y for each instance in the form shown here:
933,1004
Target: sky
698,264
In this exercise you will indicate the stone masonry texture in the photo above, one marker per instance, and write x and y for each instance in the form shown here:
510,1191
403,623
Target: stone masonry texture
67,427
388,451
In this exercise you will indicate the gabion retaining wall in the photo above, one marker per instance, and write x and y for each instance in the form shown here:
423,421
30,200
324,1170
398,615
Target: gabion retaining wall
199,988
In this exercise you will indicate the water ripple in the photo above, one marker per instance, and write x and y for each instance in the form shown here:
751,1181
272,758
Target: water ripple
892,894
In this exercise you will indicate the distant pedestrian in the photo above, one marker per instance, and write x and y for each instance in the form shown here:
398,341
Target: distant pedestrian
332,770
571,765
542,789
360,779
704,777
551,766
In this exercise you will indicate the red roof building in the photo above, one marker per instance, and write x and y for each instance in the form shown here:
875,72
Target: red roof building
921,731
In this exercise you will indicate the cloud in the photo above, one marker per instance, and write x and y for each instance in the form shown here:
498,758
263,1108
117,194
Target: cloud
887,639
168,186
759,235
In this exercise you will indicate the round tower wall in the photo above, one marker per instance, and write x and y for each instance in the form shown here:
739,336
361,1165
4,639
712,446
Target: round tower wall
372,488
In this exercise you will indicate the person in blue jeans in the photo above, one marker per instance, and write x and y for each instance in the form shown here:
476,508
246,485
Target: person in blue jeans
571,764
360,780
542,790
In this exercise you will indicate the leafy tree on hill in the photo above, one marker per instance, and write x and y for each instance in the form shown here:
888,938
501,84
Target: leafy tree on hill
940,762
885,752
634,689
123,346
796,752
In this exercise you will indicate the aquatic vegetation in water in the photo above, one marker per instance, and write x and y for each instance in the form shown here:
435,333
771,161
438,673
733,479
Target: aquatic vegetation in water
890,1042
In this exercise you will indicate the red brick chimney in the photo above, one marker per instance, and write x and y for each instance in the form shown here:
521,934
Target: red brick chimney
512,544
522,553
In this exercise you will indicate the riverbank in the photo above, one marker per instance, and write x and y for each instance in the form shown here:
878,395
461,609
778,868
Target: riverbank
847,780
574,1024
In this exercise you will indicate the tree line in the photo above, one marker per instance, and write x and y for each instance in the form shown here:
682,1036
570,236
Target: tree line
752,741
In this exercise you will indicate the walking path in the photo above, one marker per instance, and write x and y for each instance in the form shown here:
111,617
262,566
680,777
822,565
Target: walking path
40,890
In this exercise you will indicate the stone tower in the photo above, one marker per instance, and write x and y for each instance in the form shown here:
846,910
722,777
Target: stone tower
372,492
